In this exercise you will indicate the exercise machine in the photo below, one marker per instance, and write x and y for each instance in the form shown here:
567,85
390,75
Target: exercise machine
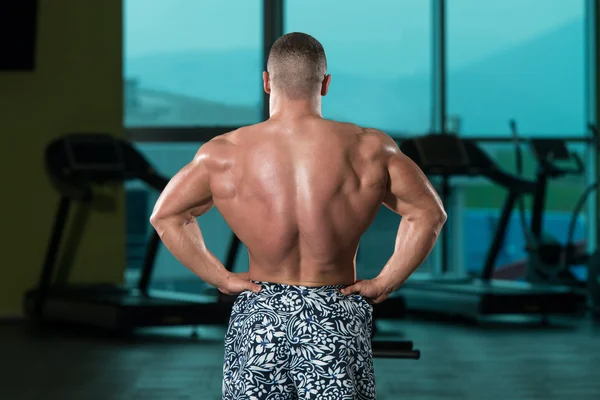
551,261
593,262
593,265
593,283
77,166
548,259
448,156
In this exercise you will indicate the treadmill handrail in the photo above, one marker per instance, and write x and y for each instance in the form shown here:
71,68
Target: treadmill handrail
511,182
479,164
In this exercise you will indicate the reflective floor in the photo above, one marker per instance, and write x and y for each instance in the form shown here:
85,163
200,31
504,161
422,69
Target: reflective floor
458,362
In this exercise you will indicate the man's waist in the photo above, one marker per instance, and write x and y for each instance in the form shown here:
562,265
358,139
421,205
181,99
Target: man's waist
307,286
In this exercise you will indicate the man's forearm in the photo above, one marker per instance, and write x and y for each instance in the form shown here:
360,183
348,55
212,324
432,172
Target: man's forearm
187,245
415,240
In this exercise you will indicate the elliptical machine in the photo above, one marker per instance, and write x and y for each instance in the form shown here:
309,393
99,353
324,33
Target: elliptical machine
593,283
549,261
593,262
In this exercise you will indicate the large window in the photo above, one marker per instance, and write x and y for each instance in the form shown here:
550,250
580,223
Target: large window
521,59
379,57
192,63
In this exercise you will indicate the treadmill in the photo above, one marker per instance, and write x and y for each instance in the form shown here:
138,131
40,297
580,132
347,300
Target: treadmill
479,298
75,165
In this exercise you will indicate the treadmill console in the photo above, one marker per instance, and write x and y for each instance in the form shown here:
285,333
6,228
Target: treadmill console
94,152
555,159
440,154
79,160
550,150
75,162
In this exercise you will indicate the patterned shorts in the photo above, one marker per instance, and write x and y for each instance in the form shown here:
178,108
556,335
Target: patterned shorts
298,342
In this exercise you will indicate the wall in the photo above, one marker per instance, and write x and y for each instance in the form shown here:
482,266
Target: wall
76,86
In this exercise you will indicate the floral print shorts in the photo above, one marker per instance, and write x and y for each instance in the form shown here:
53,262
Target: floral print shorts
298,342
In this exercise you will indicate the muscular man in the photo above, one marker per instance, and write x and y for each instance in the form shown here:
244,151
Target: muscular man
299,191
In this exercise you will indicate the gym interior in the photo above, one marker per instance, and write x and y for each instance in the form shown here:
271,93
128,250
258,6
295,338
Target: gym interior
102,102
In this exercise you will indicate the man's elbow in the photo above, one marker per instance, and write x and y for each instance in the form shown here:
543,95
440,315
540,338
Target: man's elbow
433,217
158,220
161,221
441,215
438,218
155,220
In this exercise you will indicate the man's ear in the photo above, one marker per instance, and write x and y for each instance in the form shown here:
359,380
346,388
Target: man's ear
266,82
325,85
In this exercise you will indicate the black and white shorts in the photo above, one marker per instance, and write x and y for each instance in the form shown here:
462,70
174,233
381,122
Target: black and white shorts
298,342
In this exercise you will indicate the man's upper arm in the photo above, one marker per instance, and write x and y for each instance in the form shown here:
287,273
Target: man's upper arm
188,193
409,192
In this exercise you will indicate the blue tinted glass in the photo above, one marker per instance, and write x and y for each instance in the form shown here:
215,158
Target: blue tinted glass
379,57
192,63
521,59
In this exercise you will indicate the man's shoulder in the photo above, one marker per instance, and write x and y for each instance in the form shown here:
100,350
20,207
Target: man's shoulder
378,145
237,136
219,149
218,144
361,130
348,127
375,134
375,137
232,138
226,145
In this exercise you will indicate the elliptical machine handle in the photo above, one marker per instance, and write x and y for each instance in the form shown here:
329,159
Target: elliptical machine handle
531,242
580,168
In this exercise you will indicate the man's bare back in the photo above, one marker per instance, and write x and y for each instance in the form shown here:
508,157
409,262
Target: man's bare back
299,195
299,191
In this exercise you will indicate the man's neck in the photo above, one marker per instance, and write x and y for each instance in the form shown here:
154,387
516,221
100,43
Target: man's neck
284,107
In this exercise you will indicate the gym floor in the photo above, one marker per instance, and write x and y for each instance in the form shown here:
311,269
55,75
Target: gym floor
458,361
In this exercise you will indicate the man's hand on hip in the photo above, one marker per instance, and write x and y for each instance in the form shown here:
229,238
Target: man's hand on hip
373,290
235,284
